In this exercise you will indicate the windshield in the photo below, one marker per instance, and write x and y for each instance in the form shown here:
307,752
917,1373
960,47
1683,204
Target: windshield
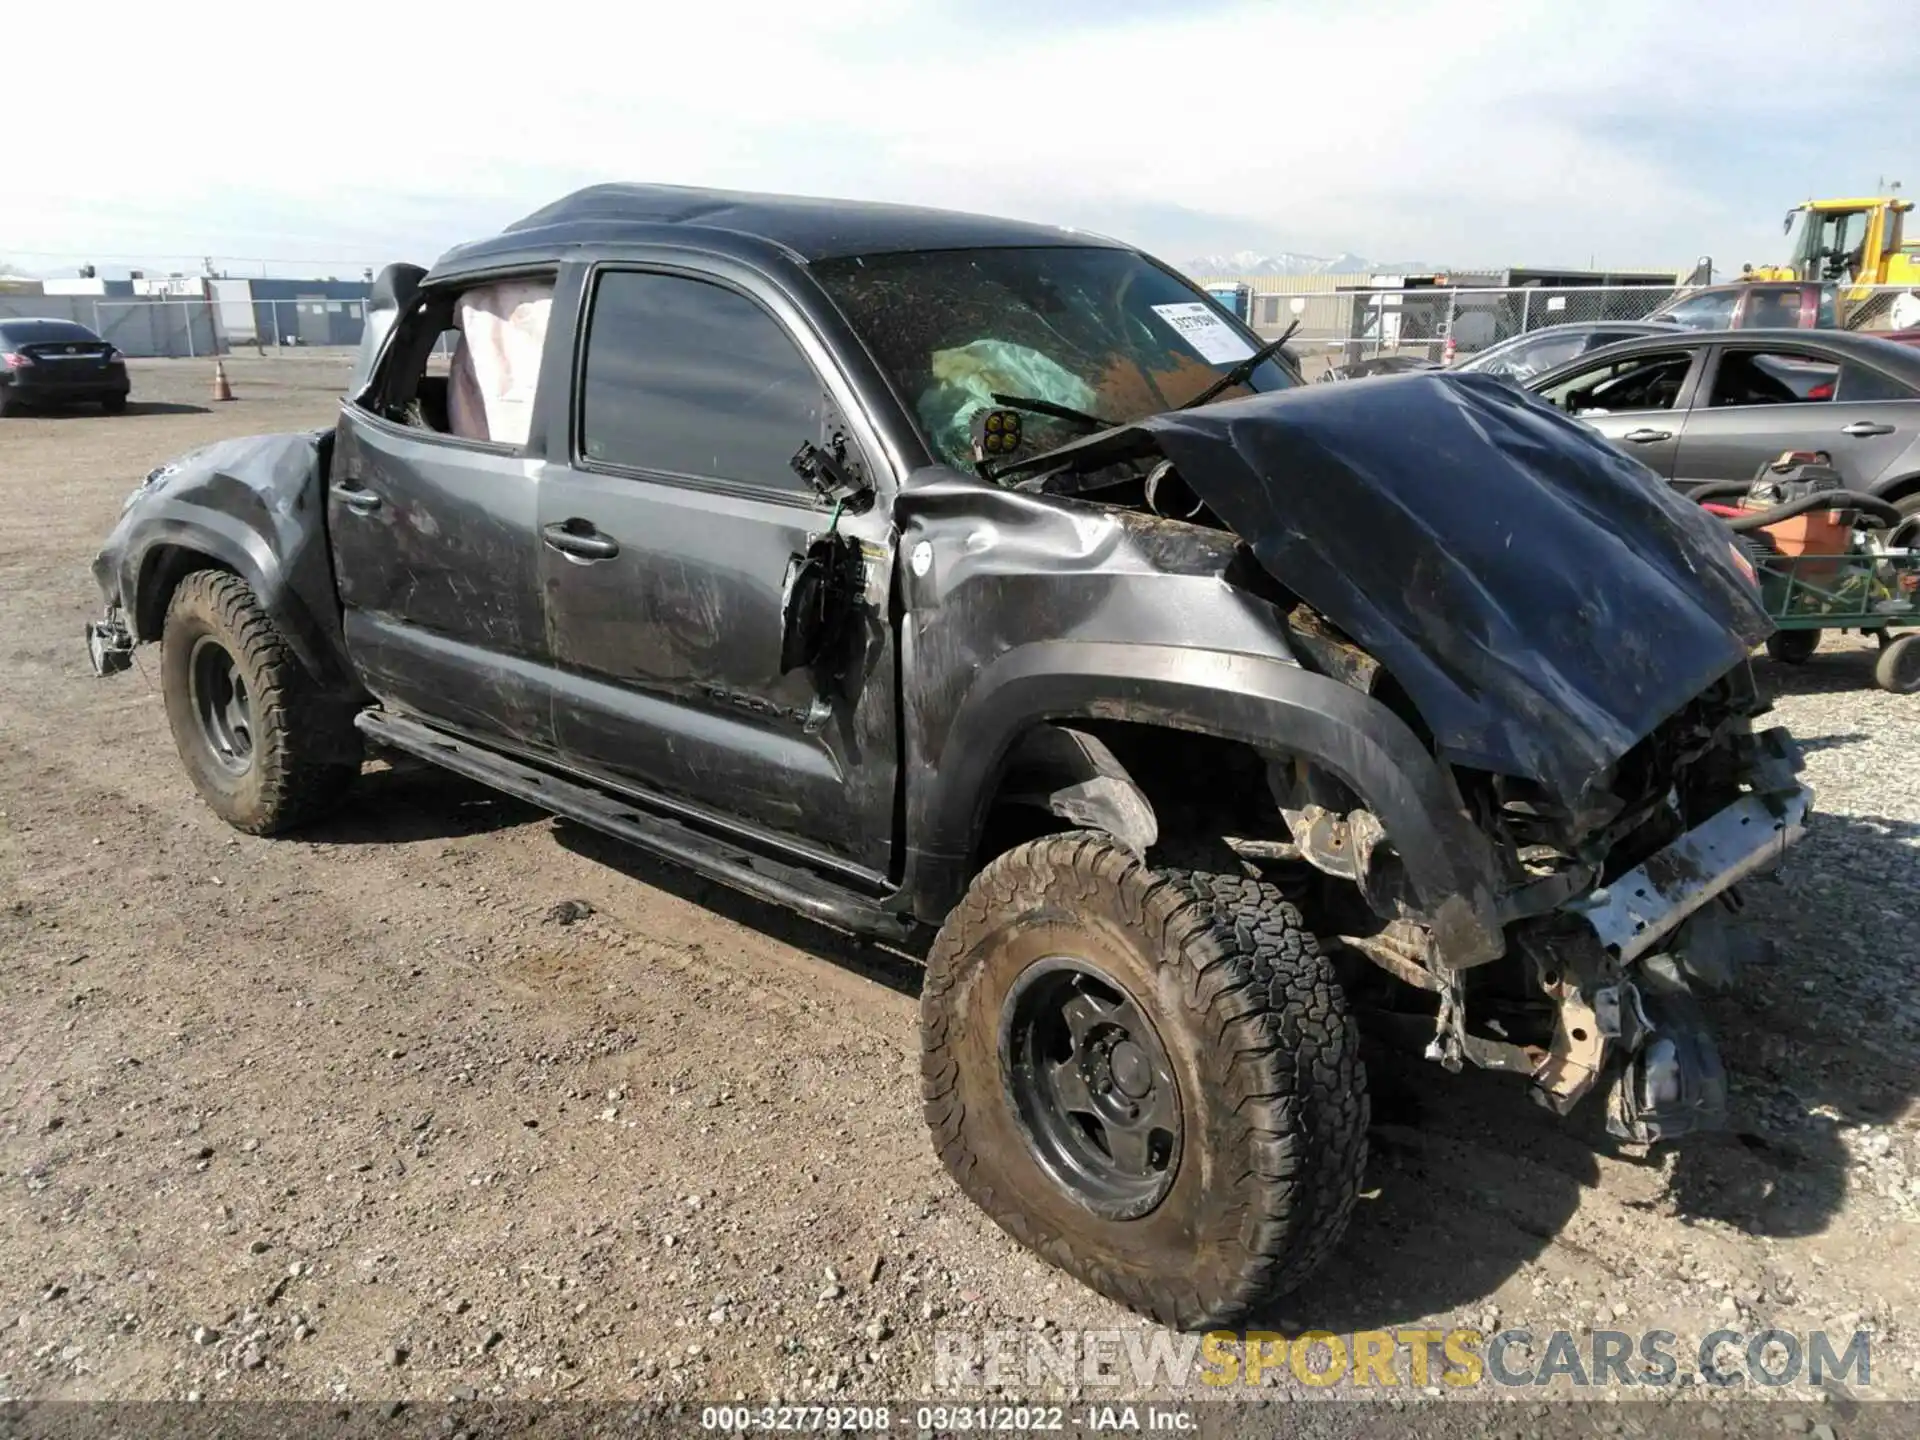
1104,332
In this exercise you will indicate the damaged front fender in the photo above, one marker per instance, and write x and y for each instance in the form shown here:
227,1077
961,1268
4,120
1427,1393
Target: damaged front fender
255,506
1266,704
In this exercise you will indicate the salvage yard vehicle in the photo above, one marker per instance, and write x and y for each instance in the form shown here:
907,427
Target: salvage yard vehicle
942,576
1859,243
1538,351
1751,305
1707,408
45,363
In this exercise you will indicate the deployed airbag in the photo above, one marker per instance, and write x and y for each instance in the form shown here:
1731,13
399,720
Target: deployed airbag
496,365
966,378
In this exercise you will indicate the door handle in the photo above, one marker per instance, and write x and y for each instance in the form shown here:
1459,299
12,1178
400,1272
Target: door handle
361,502
1860,429
579,540
1647,437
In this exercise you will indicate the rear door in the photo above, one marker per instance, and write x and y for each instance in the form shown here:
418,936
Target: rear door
436,548
666,534
1756,401
1637,400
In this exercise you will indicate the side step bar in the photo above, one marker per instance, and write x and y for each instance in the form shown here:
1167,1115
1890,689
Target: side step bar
782,884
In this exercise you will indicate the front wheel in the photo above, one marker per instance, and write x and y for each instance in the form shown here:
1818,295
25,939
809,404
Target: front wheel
1149,1078
265,749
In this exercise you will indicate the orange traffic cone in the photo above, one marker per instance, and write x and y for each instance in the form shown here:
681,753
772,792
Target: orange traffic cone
221,389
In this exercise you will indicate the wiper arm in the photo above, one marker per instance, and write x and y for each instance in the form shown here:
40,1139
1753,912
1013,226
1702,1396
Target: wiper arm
1243,370
1048,408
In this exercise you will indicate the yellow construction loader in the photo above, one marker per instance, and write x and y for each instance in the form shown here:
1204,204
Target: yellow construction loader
1856,242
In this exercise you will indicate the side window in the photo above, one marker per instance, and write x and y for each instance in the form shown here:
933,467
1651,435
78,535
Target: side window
1771,308
1827,317
686,377
1638,382
1711,311
1772,377
1552,350
465,363
1858,382
1536,357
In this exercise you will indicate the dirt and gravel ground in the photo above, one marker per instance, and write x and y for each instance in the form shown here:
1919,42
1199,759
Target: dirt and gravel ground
446,1098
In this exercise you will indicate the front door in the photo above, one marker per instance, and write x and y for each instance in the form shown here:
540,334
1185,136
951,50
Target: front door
436,552
1759,401
665,545
1637,401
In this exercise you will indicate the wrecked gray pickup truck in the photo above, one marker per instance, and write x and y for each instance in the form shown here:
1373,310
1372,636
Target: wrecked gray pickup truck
939,575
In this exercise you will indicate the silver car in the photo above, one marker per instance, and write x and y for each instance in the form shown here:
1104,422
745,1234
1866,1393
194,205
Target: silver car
1707,406
1523,356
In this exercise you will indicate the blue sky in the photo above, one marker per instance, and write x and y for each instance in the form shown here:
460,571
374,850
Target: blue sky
1460,132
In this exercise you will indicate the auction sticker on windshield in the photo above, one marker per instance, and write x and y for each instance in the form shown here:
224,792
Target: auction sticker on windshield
1202,328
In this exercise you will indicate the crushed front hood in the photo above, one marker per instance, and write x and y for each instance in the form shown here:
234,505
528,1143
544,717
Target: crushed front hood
1545,600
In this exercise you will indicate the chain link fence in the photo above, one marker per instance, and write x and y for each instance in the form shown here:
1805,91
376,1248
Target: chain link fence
1338,326
1338,323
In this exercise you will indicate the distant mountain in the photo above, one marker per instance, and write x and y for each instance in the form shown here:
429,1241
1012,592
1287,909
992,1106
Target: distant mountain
1252,262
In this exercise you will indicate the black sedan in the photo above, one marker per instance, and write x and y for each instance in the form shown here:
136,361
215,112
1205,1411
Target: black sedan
58,362
1706,406
1539,351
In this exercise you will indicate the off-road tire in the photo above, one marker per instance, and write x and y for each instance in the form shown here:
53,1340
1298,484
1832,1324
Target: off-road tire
304,750
1271,1087
1793,647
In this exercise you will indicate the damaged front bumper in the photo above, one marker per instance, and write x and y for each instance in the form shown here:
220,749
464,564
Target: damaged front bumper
1621,962
1750,837
109,643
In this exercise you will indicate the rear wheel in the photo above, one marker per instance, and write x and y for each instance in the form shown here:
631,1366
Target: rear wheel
1793,647
1898,667
1157,1089
265,749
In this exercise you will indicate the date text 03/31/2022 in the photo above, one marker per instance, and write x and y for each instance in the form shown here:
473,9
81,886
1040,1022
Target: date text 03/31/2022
945,1419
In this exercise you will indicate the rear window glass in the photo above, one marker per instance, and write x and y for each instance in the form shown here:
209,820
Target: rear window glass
1857,382
1755,377
41,332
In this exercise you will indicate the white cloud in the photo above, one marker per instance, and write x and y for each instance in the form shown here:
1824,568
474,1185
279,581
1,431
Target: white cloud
1467,131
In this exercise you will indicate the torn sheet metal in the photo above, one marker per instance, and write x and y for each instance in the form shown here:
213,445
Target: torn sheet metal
256,505
1545,600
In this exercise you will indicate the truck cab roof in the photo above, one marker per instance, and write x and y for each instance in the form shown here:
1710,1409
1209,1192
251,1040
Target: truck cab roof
805,228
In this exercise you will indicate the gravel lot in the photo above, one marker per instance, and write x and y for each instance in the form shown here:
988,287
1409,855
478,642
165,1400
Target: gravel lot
447,1098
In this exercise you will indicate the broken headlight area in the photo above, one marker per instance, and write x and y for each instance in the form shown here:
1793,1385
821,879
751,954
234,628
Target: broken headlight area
1617,963
1616,909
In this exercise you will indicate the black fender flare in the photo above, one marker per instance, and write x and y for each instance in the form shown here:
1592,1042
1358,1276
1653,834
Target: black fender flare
179,537
1259,701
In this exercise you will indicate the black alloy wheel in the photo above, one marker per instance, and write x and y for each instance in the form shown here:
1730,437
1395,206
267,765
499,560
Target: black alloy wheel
221,705
1092,1087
